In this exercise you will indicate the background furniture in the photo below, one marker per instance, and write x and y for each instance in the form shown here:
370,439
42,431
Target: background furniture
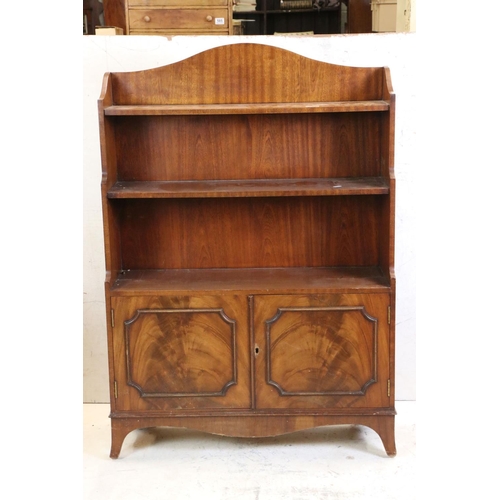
170,17
269,17
92,9
248,203
190,17
359,16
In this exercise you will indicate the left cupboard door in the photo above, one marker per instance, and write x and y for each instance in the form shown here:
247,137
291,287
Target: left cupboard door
180,353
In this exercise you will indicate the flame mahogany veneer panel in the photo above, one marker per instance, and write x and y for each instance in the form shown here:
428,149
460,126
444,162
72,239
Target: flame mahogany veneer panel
321,351
181,352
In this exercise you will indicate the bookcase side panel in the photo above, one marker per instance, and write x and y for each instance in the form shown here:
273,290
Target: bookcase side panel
109,177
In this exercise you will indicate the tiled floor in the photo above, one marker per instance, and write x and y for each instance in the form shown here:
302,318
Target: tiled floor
345,462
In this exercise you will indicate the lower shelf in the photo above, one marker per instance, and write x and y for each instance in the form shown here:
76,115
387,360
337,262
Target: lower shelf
251,280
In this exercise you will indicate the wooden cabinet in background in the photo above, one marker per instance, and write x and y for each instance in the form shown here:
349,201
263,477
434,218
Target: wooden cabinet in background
359,16
248,203
271,16
115,14
170,17
92,9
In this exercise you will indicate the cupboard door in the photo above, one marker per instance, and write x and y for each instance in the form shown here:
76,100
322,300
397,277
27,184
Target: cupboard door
180,353
321,351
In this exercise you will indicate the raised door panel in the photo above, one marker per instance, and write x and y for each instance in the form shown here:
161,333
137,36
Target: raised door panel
321,351
180,353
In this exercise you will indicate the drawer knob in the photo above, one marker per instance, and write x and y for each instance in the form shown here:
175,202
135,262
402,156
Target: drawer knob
147,19
209,18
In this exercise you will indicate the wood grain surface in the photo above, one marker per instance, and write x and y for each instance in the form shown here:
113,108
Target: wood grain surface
321,351
249,232
281,280
181,352
247,73
155,148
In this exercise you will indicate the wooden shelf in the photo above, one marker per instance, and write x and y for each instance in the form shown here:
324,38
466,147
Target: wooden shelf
249,188
246,109
252,280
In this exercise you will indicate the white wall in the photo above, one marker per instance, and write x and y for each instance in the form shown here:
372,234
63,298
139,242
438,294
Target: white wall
406,17
130,53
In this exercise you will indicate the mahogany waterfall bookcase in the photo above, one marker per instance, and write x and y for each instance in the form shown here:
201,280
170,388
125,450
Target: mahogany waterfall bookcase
248,204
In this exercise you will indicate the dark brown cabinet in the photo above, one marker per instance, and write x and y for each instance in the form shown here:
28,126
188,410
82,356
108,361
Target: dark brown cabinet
92,9
248,202
294,16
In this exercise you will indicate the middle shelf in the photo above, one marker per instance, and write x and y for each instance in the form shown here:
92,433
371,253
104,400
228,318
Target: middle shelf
359,279
249,188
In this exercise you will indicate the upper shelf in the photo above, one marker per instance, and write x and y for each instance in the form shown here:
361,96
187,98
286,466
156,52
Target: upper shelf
247,109
249,188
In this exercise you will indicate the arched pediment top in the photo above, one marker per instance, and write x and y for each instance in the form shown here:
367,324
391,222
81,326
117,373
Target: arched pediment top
243,73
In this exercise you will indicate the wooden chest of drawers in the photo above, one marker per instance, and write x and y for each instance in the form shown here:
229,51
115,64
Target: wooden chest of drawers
171,17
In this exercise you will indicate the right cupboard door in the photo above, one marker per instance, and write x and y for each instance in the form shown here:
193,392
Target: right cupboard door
321,351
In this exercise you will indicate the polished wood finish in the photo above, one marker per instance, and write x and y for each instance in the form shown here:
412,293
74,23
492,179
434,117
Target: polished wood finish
321,351
247,188
247,109
254,425
249,232
249,242
256,147
180,353
251,280
212,78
